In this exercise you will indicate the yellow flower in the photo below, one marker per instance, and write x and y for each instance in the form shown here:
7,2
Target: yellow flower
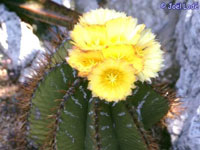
101,28
113,51
123,31
112,80
127,53
146,38
152,56
153,61
89,37
119,52
100,16
84,61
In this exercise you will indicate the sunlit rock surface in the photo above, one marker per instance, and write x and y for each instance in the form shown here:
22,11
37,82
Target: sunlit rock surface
85,5
188,84
17,40
66,3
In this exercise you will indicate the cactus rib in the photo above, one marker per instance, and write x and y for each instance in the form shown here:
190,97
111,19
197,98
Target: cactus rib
69,92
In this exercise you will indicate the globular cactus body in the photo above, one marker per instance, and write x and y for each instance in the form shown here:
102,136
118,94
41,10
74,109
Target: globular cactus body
63,115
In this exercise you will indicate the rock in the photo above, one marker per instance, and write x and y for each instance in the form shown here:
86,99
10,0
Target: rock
147,12
66,3
17,40
85,5
188,84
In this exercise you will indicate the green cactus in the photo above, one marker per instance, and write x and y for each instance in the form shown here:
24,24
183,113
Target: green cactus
63,115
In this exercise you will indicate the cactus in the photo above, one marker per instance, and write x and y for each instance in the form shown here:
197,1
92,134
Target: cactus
60,112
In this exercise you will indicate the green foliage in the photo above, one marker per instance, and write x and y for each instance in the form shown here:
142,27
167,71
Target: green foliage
64,115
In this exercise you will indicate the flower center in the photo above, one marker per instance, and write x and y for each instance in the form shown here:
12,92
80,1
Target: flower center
90,62
112,77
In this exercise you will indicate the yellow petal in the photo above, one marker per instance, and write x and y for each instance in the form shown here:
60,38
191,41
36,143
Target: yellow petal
84,61
100,16
128,53
124,52
146,38
89,37
153,61
123,31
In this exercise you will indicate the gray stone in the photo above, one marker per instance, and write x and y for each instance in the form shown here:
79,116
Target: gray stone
66,3
85,5
188,84
17,40
147,12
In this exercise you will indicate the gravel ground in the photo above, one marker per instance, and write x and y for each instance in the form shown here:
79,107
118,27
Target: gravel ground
8,110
